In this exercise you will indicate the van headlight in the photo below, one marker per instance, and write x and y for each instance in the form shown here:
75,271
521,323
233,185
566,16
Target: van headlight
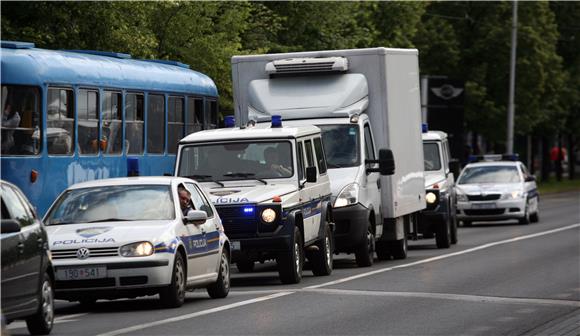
268,215
140,249
347,196
430,197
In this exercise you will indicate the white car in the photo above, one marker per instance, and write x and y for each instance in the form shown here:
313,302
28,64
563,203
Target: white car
127,237
497,190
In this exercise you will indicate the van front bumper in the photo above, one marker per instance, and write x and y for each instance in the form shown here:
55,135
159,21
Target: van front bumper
351,224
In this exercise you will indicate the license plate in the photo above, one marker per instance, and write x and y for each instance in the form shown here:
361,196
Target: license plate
483,206
81,273
235,245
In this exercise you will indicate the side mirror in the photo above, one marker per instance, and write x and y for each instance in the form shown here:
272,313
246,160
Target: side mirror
530,178
196,217
10,226
311,174
455,168
386,162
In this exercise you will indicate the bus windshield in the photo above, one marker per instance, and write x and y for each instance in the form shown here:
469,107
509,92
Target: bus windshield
341,143
237,161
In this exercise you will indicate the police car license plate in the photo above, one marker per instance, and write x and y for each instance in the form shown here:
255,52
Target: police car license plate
81,273
483,206
235,245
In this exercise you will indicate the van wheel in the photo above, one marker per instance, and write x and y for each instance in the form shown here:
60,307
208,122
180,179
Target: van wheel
42,321
291,263
221,287
365,254
443,234
321,260
173,295
453,229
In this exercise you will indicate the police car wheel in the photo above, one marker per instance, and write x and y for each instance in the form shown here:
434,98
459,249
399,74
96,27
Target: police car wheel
42,321
221,287
526,218
321,260
291,263
173,295
535,217
364,254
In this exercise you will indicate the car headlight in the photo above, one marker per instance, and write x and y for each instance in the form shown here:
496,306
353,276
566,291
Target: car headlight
431,197
347,196
140,249
513,195
461,197
268,215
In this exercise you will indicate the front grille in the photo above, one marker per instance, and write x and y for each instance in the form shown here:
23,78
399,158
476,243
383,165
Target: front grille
134,280
490,197
94,252
236,221
484,212
91,283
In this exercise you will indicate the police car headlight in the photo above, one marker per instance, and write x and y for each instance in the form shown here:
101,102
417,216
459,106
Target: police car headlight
430,198
347,196
140,249
268,215
513,195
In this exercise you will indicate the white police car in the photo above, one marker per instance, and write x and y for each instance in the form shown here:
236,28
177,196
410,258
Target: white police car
272,191
497,190
127,237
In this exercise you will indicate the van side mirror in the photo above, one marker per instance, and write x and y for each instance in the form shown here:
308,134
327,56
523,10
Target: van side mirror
196,217
10,226
455,168
311,174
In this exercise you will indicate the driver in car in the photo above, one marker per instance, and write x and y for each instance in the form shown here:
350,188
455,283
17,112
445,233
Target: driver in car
273,163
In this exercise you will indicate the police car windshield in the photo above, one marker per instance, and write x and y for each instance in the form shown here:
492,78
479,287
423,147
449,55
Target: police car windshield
490,174
237,161
341,143
113,203
431,157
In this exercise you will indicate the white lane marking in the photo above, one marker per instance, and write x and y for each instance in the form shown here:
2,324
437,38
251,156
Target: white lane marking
60,319
192,315
446,296
445,256
273,296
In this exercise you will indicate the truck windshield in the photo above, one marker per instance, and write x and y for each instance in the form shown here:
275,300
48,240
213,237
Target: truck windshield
237,161
431,157
341,145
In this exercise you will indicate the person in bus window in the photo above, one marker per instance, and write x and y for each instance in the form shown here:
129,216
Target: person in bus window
10,119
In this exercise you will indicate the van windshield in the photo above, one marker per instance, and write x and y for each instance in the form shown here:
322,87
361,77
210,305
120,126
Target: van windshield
431,157
237,161
341,145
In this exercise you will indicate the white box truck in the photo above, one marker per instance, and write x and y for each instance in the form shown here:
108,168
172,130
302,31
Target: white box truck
365,101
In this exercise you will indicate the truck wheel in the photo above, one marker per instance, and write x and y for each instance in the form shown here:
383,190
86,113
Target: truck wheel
443,234
221,287
42,321
245,265
321,260
398,248
173,295
291,263
365,253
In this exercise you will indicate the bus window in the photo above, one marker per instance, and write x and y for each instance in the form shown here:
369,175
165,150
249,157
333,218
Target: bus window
175,125
155,124
212,115
21,133
88,116
60,121
134,121
194,121
112,131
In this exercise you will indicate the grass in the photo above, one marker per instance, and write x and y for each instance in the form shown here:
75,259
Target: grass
553,186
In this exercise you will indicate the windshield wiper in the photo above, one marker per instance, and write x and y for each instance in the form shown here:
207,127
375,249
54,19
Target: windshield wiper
202,178
109,220
245,175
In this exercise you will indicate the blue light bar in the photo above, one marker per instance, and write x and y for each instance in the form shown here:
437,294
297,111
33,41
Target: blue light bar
276,121
229,121
248,210
493,157
424,127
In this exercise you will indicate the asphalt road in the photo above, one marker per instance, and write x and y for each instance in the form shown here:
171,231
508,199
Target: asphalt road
500,279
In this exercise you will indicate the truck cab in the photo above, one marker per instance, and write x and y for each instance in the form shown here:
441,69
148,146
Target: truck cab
439,217
270,185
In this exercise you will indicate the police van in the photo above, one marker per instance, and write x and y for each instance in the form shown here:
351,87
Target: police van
271,189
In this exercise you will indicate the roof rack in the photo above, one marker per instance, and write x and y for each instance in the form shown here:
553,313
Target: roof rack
493,157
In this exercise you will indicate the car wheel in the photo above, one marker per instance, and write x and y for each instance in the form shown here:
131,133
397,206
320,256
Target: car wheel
173,295
526,218
42,321
245,265
535,217
321,260
443,234
291,263
221,287
365,253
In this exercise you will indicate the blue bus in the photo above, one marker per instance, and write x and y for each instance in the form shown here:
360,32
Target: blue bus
72,116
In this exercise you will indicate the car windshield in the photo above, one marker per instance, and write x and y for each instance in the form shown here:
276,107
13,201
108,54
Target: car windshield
490,174
341,144
113,203
431,156
237,161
